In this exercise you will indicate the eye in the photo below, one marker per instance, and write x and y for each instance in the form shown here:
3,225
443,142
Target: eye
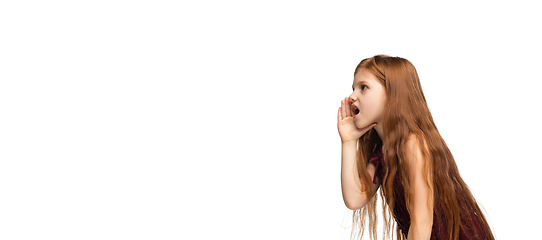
363,87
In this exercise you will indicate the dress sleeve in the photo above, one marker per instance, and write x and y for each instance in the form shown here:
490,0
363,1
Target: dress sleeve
376,158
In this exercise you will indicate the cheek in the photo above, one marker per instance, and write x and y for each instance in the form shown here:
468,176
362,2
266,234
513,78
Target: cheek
374,108
381,109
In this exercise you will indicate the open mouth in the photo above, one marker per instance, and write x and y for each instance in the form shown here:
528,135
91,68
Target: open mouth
355,110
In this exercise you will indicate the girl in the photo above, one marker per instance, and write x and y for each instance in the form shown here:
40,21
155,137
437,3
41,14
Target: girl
389,140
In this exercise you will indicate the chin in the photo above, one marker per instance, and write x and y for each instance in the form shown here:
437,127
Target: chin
358,125
362,124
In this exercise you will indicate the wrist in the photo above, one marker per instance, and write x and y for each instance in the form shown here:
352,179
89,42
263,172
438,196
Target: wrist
349,143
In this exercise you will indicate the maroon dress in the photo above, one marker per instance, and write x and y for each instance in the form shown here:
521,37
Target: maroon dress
402,217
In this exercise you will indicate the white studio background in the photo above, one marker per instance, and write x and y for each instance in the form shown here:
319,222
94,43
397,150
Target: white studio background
217,119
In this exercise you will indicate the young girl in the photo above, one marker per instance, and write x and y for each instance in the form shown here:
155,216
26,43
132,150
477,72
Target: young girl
389,141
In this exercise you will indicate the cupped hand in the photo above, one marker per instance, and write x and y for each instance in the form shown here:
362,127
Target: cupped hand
345,123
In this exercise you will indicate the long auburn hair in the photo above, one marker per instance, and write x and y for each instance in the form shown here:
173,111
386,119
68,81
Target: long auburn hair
406,113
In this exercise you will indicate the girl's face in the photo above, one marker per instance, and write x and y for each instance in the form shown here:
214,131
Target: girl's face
368,100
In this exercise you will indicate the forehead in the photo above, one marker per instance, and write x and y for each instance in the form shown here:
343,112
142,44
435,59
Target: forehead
365,76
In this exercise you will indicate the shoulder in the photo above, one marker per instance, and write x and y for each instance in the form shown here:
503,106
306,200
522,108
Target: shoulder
414,144
414,151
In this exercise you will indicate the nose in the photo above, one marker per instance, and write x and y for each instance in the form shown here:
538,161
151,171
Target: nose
353,98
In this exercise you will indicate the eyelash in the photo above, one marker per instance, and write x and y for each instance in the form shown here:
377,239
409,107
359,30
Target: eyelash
362,87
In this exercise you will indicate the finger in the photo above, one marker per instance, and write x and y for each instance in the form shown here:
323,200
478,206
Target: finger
348,108
343,109
339,115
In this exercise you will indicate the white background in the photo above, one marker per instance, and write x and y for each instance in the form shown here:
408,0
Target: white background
217,119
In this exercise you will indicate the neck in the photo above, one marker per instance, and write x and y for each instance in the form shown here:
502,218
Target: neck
380,130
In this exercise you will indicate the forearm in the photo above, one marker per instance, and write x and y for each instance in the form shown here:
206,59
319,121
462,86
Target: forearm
352,192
